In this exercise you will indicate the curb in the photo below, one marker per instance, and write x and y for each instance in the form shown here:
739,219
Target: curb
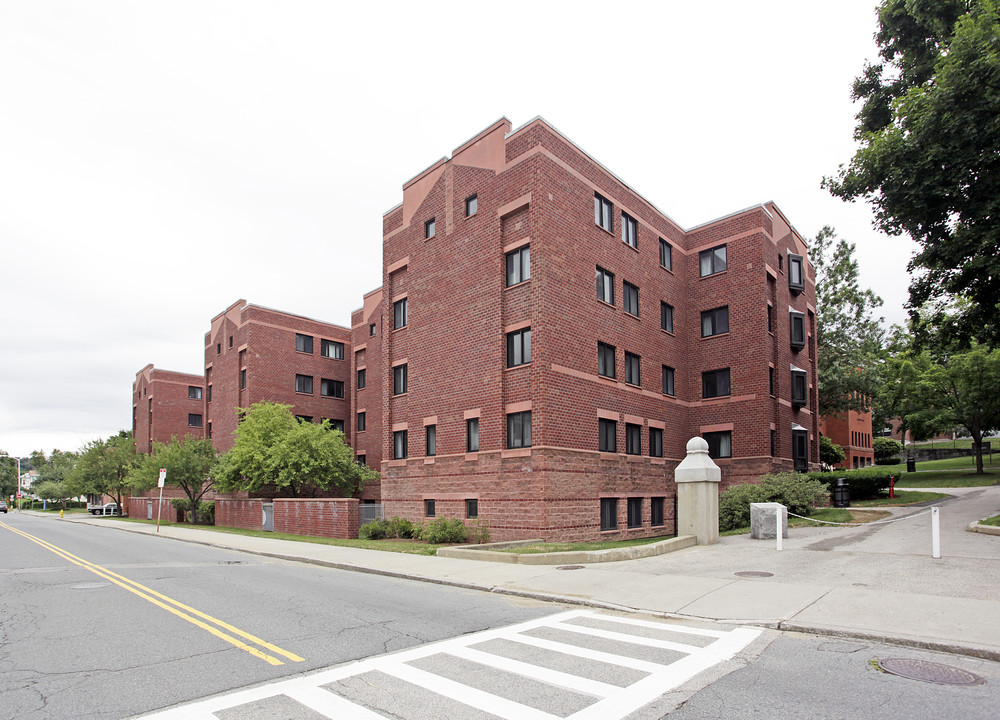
978,527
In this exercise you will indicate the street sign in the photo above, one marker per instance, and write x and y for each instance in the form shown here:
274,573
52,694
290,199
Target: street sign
163,476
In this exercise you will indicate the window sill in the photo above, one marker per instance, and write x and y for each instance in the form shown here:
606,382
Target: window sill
631,315
516,452
604,229
667,332
715,274
428,461
669,269
472,456
517,285
657,461
607,304
630,247
709,337
297,392
629,384
396,330
401,395
303,352
717,397
517,367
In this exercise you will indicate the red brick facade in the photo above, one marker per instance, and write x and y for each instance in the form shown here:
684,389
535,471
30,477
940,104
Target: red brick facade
366,336
336,517
166,404
444,256
851,430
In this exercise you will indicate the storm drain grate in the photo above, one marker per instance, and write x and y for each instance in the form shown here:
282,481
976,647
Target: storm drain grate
570,567
929,671
89,586
753,573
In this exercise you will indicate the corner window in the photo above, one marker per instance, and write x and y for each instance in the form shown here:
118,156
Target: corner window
472,508
609,513
429,509
656,511
518,265
633,439
667,380
630,230
519,347
796,278
194,420
331,388
655,442
243,379
605,286
362,421
712,261
399,314
304,384
605,360
471,205
230,341
331,349
362,379
770,380
209,430
209,398
800,387
634,512
602,212
800,449
632,363
194,392
472,435
797,335
399,445
770,318
304,343
363,460
666,317
399,379
715,383
715,321
720,444
608,435
519,430
371,330
429,229
334,424
666,255
631,295
430,440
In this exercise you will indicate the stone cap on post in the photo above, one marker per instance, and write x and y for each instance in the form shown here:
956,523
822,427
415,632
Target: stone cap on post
697,466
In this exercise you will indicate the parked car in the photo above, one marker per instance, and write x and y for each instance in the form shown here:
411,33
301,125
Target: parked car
3,506
110,508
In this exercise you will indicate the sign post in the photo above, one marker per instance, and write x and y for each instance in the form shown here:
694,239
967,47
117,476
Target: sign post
159,505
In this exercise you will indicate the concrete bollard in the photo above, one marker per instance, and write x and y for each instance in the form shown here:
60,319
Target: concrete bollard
697,479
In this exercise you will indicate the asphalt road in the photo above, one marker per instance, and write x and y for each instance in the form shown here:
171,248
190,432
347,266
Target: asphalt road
75,643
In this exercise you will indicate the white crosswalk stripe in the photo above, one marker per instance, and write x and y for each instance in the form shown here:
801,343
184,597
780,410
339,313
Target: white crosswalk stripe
486,681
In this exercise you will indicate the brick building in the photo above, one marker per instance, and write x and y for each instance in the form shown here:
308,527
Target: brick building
852,430
513,389
165,404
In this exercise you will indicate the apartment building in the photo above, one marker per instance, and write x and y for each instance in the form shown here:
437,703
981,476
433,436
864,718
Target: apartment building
545,342
852,430
166,404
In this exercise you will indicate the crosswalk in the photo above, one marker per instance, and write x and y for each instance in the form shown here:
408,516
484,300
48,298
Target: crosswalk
575,665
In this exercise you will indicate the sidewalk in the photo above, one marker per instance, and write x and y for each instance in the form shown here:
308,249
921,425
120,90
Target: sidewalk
873,581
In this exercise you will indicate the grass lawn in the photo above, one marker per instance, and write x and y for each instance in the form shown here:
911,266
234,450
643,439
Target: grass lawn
959,463
570,547
965,443
948,478
994,521
55,509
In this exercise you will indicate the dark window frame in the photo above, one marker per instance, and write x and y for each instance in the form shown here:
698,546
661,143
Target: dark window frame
668,377
330,384
656,511
430,228
633,439
666,255
400,445
800,387
430,440
717,442
471,508
716,383
633,513
362,378
400,317
333,349
666,317
796,273
630,230
430,508
362,421
633,369
196,420
604,353
471,205
712,262
472,435
607,439
519,347
655,442
518,265
605,280
796,329
630,298
604,211
400,379
194,392
303,343
718,321
302,382
519,430
609,514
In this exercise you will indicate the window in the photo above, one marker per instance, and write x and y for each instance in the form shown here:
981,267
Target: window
774,442
635,512
633,439
609,513
605,286
656,511
399,314
798,329
472,435
362,379
331,388
243,379
712,261
666,317
194,392
429,228
631,294
304,384
519,347
363,460
781,262
667,380
209,399
796,278
209,430
399,379
632,369
519,430
715,383
430,444
770,380
194,419
218,348
602,212
362,421
230,341
605,360
304,343
630,230
770,318
720,444
518,265
715,321
331,349
800,448
472,508
800,387
399,445
471,205
655,442
304,418
336,424
371,330
666,255
608,439
429,510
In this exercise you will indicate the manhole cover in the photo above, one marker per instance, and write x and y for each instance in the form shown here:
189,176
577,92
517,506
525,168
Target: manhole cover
929,671
753,573
89,586
570,567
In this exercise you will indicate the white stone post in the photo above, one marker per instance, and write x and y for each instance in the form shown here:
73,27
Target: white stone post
697,479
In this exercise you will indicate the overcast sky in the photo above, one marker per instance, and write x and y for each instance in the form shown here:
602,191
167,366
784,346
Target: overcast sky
160,160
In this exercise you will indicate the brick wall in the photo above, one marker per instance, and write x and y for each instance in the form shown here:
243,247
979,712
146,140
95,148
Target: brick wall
335,518
162,407
240,513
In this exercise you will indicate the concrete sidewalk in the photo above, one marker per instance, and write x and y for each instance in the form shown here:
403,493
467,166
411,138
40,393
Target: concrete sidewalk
874,581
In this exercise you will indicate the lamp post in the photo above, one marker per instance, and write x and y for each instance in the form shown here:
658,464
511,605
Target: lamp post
4,454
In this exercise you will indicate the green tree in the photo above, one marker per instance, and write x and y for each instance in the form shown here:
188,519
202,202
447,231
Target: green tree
886,448
830,453
54,468
928,131
188,462
52,490
276,453
8,475
904,395
849,334
103,467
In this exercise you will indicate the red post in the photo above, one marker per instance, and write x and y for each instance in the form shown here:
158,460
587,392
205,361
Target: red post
892,487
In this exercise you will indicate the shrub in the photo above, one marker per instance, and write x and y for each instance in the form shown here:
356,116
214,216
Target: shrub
374,530
799,493
734,505
866,484
830,453
884,448
888,461
400,528
478,532
445,530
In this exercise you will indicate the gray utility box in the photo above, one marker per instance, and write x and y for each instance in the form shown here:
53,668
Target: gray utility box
764,520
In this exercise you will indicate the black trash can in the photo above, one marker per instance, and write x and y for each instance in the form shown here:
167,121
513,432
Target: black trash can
911,465
841,493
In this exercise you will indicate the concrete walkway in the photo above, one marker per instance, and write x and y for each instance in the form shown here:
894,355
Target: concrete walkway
875,581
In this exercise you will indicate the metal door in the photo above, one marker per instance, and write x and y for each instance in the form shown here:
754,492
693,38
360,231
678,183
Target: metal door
267,522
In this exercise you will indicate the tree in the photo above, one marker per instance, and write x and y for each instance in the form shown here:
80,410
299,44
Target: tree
52,490
103,467
276,453
188,462
904,395
849,335
927,159
830,453
8,475
54,468
886,448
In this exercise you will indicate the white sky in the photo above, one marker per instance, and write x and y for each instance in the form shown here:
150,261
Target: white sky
160,160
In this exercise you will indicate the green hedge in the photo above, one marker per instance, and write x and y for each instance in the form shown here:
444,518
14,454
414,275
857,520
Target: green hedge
799,493
866,484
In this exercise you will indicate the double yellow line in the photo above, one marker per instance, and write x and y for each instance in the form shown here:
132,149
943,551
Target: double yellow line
170,605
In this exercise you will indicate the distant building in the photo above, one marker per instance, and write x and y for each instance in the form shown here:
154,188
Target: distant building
166,404
852,430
